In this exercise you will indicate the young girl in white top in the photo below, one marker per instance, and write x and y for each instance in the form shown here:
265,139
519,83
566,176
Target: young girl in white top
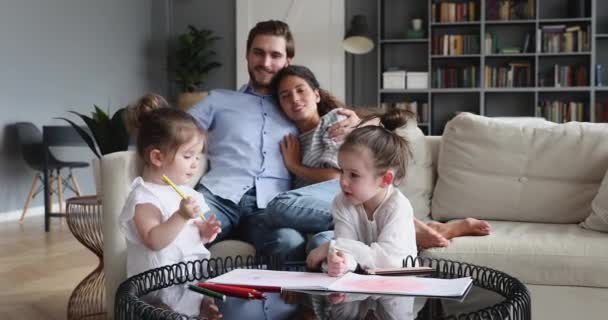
374,221
160,227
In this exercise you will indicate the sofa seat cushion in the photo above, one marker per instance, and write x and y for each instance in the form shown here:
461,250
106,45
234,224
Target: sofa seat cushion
232,248
530,171
535,253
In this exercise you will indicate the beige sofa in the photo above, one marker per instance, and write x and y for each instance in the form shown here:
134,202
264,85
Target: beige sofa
564,265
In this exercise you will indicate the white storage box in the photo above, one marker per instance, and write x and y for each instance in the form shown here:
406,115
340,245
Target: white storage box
417,80
393,79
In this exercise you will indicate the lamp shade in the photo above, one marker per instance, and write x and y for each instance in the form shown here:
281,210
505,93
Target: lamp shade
357,39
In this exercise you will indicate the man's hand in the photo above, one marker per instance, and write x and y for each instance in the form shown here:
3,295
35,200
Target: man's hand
290,148
339,130
209,229
188,208
317,256
336,264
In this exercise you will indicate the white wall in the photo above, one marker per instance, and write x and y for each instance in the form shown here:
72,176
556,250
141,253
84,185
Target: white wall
318,29
60,55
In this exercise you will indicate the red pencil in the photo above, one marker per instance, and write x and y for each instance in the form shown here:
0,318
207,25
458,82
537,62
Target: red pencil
233,290
260,288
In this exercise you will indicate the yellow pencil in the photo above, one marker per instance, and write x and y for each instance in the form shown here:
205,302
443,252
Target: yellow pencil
183,195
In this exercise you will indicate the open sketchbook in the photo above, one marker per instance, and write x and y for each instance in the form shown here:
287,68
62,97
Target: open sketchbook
350,282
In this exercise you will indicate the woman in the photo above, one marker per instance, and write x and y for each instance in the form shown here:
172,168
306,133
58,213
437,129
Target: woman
312,158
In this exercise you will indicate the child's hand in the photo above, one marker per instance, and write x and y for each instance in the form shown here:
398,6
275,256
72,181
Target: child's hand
317,256
209,310
337,297
209,229
188,208
336,264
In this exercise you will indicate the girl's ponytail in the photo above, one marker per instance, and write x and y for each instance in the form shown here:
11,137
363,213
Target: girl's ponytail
156,125
136,112
389,150
395,118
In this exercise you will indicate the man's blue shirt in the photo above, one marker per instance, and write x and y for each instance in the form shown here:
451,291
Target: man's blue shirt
245,130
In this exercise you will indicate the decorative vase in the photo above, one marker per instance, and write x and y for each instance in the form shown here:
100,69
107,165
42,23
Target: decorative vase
185,100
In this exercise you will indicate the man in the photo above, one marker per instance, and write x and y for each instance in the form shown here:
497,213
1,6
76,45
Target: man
246,169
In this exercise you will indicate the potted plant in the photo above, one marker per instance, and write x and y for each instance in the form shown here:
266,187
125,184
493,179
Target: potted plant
192,61
106,134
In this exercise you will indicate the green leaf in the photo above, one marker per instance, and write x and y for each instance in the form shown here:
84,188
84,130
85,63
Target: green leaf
119,136
193,57
84,135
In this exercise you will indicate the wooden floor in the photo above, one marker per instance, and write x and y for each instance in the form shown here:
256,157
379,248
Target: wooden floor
39,270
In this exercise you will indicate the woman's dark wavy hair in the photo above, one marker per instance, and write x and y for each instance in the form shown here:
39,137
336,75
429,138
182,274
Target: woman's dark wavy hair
327,102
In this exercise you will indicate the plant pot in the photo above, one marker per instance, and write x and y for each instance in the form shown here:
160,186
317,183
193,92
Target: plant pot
96,164
185,100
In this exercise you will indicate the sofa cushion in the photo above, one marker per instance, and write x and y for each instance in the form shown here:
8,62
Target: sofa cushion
529,171
549,254
418,183
598,219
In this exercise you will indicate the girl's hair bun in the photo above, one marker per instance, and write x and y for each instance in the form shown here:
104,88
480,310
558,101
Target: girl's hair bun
138,110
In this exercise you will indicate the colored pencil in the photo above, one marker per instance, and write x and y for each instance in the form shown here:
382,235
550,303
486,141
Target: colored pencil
234,291
261,288
180,192
207,292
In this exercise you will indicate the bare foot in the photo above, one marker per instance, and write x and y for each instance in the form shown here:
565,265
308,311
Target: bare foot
461,227
427,237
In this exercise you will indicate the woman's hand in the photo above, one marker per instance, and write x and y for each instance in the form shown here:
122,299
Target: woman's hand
317,256
339,130
209,229
290,148
336,264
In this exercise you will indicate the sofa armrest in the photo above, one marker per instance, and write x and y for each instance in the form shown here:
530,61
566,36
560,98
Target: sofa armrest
117,172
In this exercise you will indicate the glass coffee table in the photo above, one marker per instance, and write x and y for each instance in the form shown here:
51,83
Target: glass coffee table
162,294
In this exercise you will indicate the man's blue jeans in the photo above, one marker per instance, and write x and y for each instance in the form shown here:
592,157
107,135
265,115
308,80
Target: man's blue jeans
241,221
280,228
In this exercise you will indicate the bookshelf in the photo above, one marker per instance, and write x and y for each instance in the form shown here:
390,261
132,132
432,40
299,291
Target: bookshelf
497,58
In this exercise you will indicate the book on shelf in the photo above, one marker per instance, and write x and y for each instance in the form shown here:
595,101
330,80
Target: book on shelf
561,111
510,50
491,43
601,111
570,76
514,74
455,76
454,44
577,8
350,282
599,75
526,43
510,9
563,39
453,11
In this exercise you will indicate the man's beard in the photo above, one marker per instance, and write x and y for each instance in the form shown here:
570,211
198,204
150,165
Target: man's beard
254,81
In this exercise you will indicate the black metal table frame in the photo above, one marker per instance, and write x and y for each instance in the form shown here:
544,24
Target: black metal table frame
128,305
